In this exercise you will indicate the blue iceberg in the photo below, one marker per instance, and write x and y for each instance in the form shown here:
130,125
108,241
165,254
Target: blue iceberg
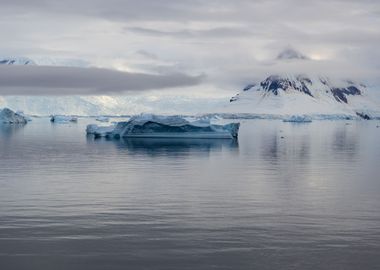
99,131
7,116
102,119
157,126
63,119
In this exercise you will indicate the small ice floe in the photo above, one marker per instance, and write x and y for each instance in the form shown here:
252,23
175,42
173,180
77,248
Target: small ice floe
102,119
298,119
63,119
7,116
157,126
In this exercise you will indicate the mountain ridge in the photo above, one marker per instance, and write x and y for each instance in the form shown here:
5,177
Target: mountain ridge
302,94
276,95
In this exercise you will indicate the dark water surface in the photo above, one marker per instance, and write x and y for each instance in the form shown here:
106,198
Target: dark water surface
309,200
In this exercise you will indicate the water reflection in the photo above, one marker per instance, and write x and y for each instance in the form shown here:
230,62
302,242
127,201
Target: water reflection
278,145
173,147
345,141
285,193
8,130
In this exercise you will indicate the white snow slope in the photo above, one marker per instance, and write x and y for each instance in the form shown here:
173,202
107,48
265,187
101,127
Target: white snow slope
303,95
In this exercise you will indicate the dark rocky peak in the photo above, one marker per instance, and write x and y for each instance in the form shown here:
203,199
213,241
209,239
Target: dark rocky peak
275,83
304,79
340,94
290,54
324,81
363,115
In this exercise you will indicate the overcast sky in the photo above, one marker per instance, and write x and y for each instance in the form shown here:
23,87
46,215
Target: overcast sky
218,45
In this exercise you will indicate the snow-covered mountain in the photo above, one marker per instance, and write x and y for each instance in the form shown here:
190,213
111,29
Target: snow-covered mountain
291,54
301,94
276,95
16,61
43,61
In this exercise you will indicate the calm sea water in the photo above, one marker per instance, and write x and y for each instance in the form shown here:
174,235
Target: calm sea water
285,196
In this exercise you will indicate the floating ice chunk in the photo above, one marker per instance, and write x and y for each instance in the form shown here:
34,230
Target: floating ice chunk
298,119
157,126
63,119
99,131
102,119
7,116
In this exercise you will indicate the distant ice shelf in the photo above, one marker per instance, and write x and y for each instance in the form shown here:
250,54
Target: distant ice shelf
313,116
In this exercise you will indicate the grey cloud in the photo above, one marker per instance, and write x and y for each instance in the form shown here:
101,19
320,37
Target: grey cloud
125,10
48,80
231,41
193,10
147,54
220,32
252,71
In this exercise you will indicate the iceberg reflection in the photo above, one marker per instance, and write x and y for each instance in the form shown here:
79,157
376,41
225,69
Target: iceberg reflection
162,146
8,130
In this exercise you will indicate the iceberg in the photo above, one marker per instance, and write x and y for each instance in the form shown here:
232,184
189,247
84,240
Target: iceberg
102,119
7,116
63,119
157,126
27,117
298,119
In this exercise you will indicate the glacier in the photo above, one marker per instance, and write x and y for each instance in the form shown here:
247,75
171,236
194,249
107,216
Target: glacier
159,126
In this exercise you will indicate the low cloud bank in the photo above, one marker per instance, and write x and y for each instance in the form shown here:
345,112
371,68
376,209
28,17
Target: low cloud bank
49,80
